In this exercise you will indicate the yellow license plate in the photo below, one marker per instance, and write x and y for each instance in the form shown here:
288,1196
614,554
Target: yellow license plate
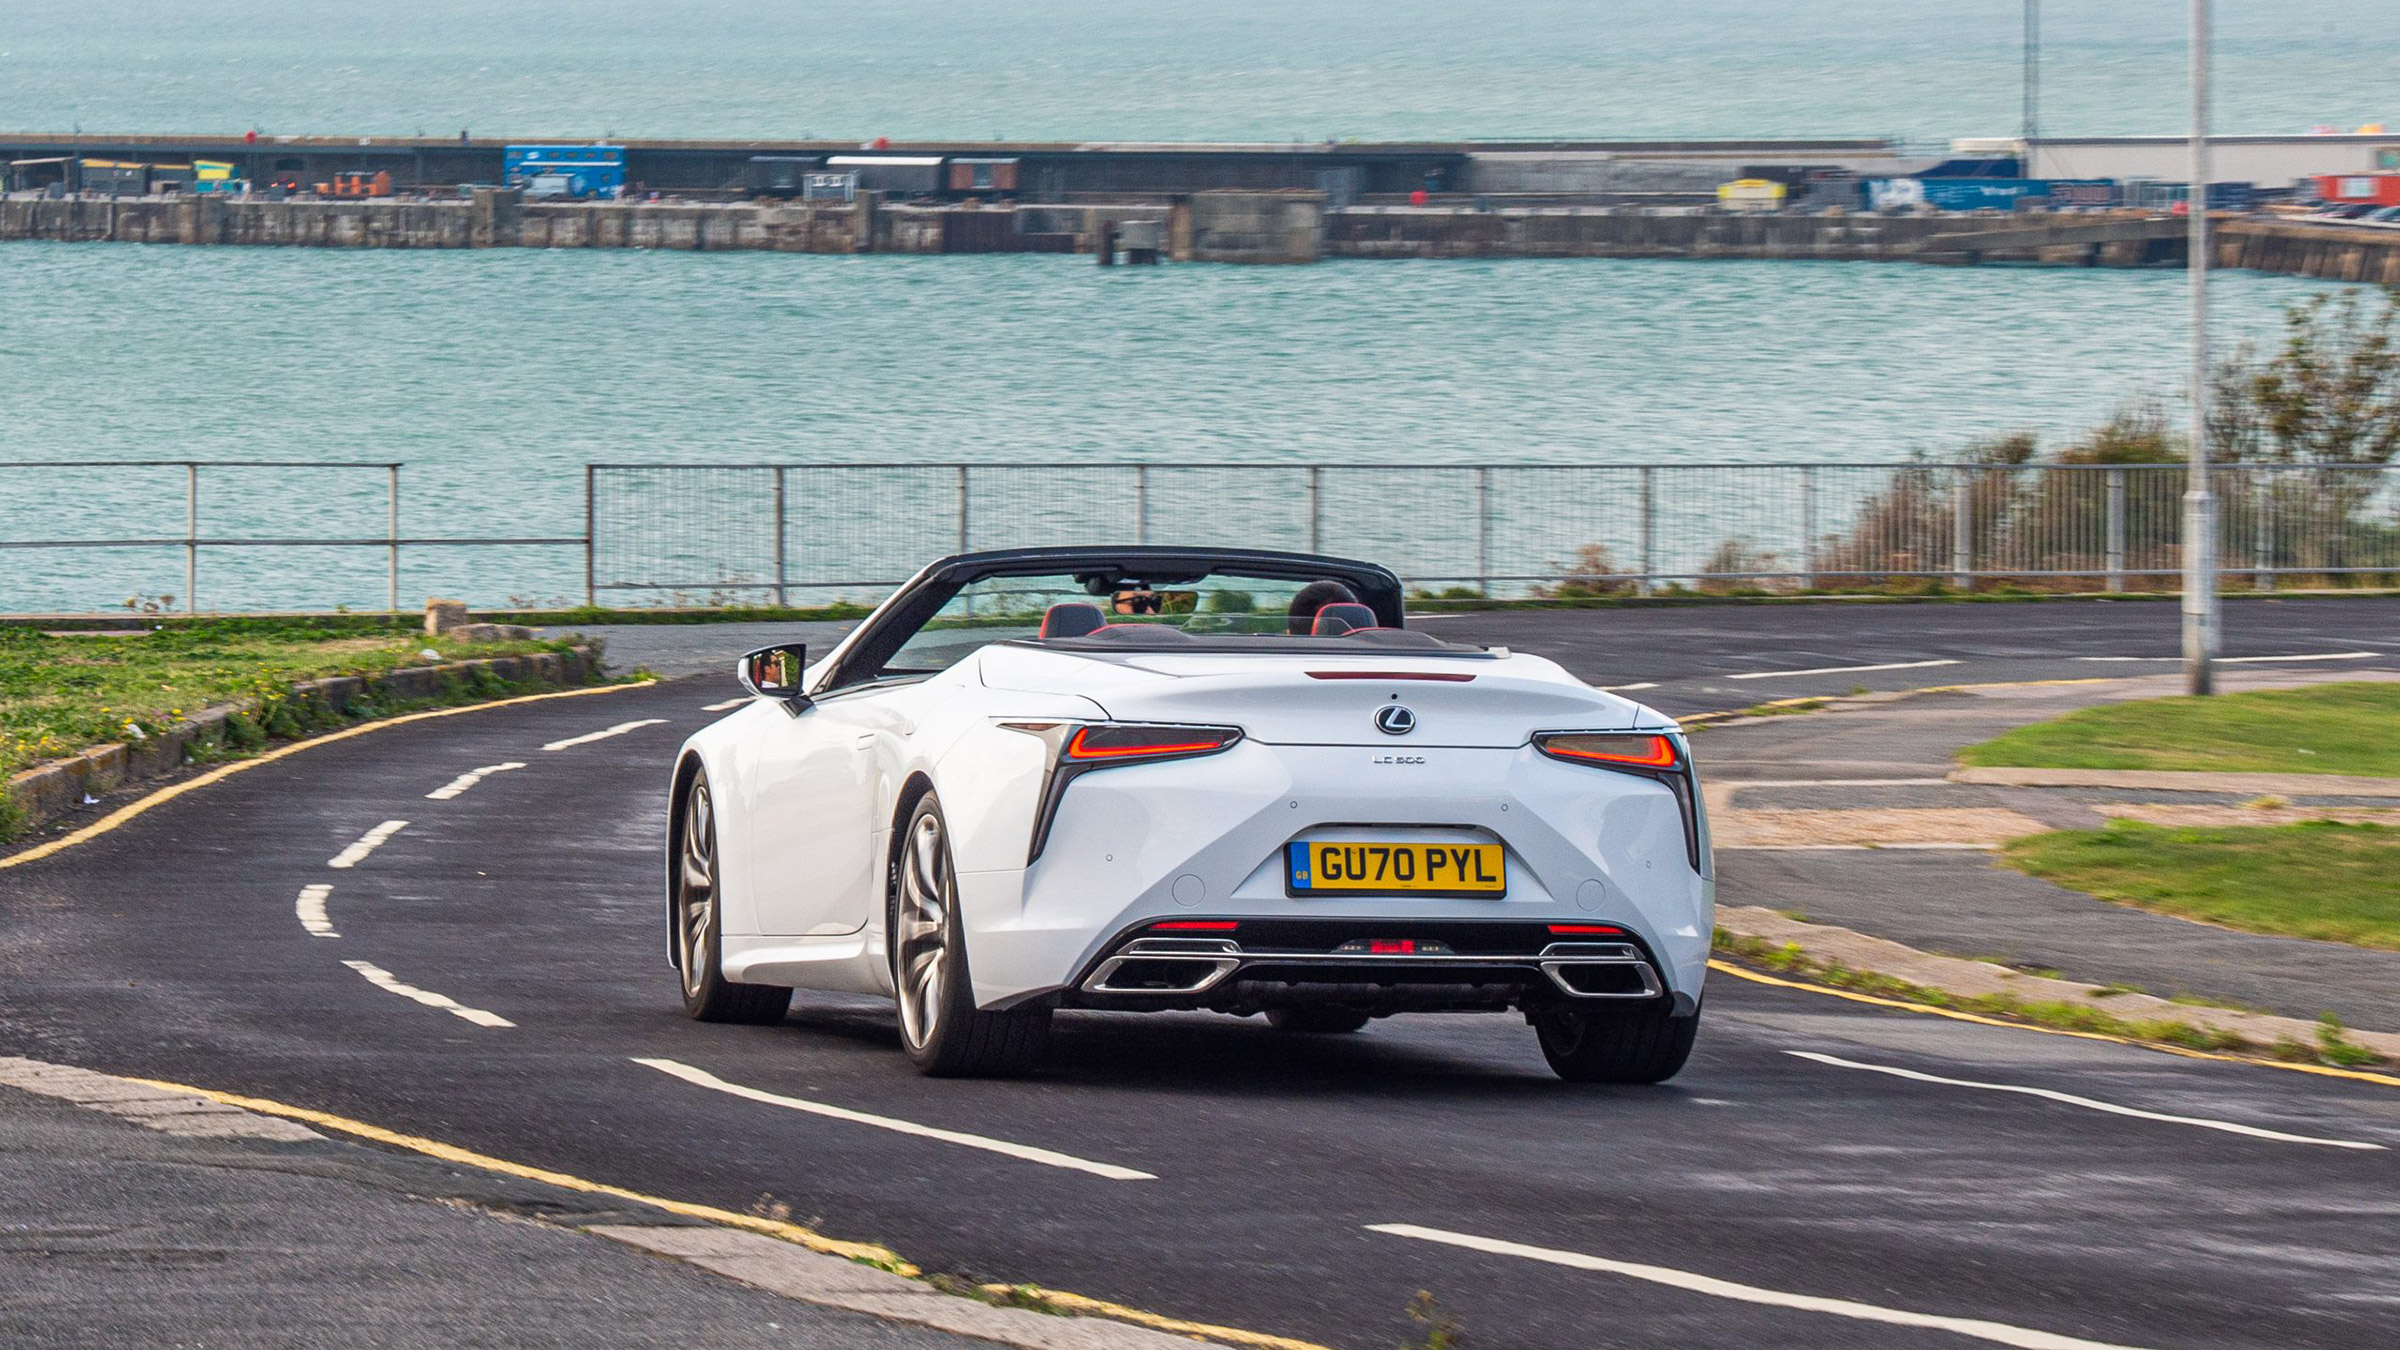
1427,869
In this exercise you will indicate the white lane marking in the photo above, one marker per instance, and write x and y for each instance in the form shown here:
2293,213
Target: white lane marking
382,979
1842,670
2024,1337
2087,1103
727,706
469,779
367,843
2249,660
311,909
590,736
1627,688
703,1078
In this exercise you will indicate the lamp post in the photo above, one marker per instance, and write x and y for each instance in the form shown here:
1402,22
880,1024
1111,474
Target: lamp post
2199,508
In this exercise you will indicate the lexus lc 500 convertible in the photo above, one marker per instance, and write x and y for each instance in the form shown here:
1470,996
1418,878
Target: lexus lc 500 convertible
1157,778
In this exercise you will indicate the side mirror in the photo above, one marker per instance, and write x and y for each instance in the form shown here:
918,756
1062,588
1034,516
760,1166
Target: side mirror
775,672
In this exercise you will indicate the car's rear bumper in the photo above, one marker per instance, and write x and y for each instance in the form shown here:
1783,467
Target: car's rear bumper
1206,837
1369,964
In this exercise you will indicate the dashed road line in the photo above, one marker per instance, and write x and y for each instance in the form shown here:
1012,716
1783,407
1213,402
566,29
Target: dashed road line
727,706
311,909
1627,688
1842,670
1047,1157
590,736
219,774
2088,1103
382,979
367,843
2026,1338
469,779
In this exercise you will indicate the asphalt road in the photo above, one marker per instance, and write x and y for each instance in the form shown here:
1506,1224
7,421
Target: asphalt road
176,947
1685,659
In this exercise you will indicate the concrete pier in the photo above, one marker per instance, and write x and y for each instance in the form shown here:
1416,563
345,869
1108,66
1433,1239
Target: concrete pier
1281,226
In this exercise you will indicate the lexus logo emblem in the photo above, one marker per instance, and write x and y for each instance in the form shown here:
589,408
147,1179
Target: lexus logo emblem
1394,720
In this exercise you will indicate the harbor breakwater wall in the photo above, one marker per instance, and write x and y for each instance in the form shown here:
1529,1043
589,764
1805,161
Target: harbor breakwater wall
1221,226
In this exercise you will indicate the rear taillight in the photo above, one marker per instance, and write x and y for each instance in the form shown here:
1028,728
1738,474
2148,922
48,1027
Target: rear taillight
1105,743
1612,750
1078,748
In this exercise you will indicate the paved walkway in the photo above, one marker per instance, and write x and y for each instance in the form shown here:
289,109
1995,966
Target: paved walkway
200,1232
1788,793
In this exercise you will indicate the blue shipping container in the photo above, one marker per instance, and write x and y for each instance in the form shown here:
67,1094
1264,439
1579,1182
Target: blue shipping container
576,171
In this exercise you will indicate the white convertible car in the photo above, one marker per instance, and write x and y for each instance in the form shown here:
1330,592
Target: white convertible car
1155,778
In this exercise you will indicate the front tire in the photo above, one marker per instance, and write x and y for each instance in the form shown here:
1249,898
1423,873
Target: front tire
944,1033
699,925
1592,1045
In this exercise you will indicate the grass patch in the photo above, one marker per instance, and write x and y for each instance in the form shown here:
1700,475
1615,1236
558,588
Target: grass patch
62,695
2329,728
2321,879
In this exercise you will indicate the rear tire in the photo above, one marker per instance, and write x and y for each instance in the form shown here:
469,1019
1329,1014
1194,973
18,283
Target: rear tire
1312,1020
699,925
1590,1045
944,1033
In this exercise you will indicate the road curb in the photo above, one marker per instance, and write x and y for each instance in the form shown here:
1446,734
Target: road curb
2176,780
1826,945
47,791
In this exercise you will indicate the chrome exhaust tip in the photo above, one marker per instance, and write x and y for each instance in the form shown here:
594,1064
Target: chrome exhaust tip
1165,966
1600,970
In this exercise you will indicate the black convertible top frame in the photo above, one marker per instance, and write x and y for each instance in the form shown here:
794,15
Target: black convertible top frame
908,609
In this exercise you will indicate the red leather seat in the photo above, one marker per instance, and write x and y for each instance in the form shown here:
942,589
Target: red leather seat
1072,619
1335,620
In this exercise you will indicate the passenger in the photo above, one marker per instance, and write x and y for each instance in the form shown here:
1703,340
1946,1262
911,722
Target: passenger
1314,596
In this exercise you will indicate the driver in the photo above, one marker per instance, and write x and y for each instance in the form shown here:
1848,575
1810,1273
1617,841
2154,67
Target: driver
1314,596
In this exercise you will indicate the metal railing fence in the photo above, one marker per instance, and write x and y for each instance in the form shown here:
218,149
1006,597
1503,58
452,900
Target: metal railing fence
751,530
171,532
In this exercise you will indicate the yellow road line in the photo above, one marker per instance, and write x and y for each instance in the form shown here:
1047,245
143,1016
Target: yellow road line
872,1253
434,1148
1093,1307
224,771
2323,1070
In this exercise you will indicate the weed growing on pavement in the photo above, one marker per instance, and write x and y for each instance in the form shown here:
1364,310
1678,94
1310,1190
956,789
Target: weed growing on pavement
1438,1330
2337,1048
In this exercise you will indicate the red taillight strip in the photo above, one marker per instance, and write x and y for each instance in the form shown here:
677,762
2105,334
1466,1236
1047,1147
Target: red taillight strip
1440,677
1661,754
1076,749
1196,926
1564,929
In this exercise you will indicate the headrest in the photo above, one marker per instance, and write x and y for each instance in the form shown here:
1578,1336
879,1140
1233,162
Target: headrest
1335,620
1073,619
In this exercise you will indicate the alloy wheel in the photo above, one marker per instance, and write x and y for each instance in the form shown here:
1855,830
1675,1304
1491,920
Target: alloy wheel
921,947
696,887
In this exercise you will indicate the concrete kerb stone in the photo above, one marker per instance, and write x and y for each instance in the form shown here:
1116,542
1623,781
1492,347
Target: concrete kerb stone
47,791
1962,978
832,1282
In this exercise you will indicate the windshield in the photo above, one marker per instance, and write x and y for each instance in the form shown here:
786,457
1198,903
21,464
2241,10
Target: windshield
1017,609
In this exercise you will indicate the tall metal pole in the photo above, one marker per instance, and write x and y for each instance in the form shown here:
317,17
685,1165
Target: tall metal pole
2199,508
2031,124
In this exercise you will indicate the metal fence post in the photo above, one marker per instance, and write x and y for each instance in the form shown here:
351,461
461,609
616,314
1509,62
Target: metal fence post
1808,527
191,538
962,508
1316,508
782,596
2116,529
1962,529
1141,503
1649,532
2262,534
591,538
391,530
1483,530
